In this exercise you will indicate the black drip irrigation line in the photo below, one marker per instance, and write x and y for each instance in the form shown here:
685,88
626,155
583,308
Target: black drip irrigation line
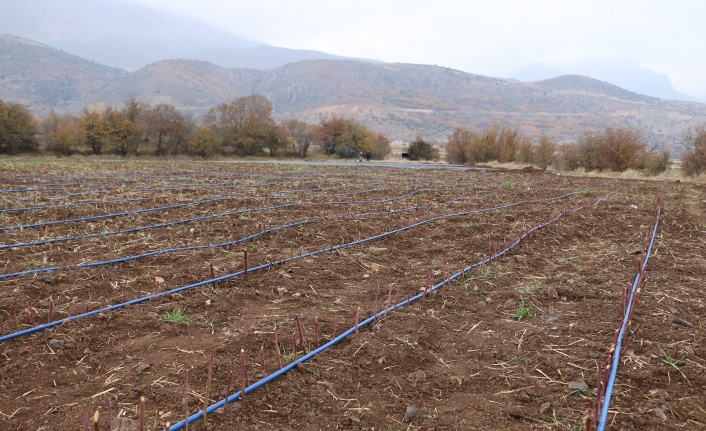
77,204
69,195
370,320
113,215
141,228
154,253
280,262
199,247
617,351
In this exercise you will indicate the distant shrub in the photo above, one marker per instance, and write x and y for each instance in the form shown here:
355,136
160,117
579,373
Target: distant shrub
419,149
525,152
614,149
656,163
206,144
455,147
545,153
694,159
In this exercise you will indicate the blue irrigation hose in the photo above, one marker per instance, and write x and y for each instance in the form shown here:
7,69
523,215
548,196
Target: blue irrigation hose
113,215
201,283
78,204
137,229
268,265
603,420
108,262
270,378
193,247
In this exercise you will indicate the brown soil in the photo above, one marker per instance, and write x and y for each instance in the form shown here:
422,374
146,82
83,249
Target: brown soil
461,360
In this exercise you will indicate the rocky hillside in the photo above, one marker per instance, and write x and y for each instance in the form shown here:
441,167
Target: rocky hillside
400,100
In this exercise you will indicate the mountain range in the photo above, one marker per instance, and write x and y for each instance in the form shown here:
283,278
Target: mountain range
70,57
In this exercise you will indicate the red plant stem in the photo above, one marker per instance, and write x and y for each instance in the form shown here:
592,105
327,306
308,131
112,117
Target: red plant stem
213,272
301,334
375,304
294,338
245,263
389,299
357,319
96,416
186,400
17,323
316,332
110,415
262,361
31,314
243,376
2,328
142,413
50,316
335,326
409,288
277,352
87,421
168,427
125,292
225,404
208,387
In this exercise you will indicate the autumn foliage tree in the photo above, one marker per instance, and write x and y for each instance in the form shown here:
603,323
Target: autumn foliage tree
419,149
614,149
300,136
18,132
244,125
694,158
347,138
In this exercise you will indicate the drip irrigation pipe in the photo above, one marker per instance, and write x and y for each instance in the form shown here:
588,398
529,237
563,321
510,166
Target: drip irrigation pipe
138,229
270,378
602,421
78,204
108,262
113,215
193,247
271,264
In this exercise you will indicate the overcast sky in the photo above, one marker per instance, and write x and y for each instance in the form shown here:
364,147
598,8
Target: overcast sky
488,37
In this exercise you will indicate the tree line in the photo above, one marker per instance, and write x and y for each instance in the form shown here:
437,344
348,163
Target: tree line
612,149
243,127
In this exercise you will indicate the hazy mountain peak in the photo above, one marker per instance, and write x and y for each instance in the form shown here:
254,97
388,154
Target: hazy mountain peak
113,32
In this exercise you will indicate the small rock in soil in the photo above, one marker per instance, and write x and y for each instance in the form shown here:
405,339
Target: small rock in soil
519,257
152,315
124,424
515,412
552,293
658,391
284,274
281,290
680,321
381,360
87,351
553,320
659,412
48,279
636,252
578,385
673,310
481,303
143,367
354,419
55,343
544,407
411,414
297,295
